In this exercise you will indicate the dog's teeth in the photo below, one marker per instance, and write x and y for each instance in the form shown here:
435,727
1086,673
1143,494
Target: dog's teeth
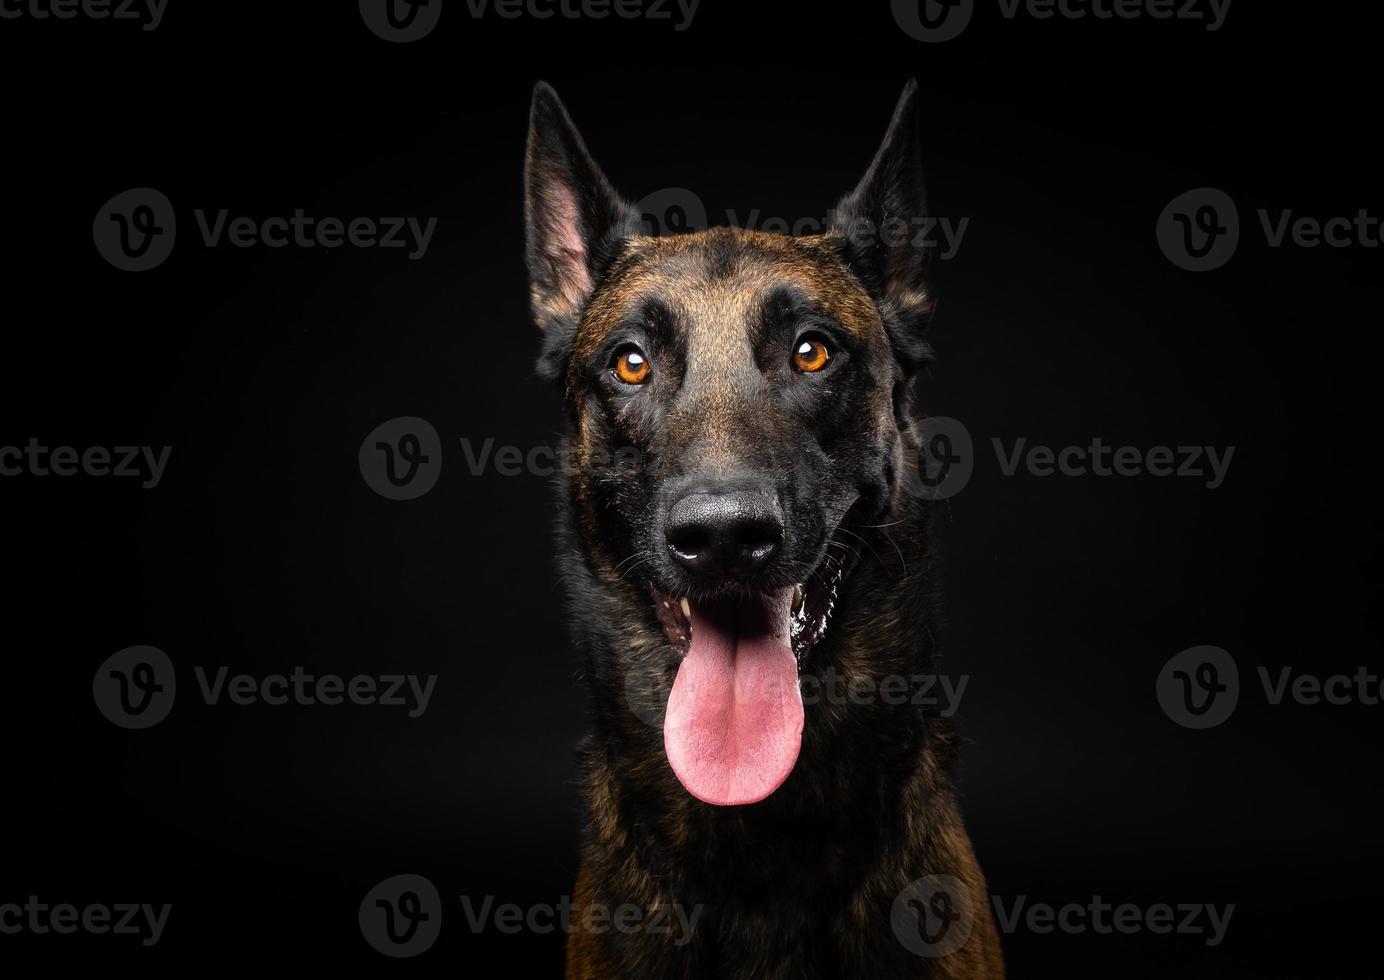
797,597
686,607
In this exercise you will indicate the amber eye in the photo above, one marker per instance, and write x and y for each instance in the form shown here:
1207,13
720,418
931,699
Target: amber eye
811,354
631,366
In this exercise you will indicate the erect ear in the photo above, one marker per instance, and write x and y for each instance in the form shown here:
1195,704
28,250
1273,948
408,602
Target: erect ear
881,224
575,222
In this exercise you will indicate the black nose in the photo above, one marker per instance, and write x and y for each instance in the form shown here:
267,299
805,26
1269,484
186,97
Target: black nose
720,534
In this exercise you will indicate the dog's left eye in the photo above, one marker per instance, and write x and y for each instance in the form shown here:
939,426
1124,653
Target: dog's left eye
631,366
811,354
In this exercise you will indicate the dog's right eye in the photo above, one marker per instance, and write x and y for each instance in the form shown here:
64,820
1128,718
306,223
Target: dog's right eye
812,354
631,366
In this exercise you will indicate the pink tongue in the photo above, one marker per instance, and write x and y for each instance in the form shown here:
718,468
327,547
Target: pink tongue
734,722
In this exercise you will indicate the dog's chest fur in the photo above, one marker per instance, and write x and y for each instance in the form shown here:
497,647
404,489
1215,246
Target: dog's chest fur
803,884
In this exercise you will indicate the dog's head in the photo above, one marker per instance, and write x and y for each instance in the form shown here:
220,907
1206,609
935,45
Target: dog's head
736,399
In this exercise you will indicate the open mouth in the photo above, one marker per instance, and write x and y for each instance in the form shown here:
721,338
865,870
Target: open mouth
811,604
734,720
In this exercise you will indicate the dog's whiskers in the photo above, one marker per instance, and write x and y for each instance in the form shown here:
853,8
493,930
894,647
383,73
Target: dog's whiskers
833,543
642,557
641,561
903,564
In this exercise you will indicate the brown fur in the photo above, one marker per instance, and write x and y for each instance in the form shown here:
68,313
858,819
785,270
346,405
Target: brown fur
802,885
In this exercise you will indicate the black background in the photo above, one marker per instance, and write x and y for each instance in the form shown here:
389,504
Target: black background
1060,320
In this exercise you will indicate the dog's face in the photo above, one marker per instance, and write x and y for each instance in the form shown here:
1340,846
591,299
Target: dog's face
736,400
752,377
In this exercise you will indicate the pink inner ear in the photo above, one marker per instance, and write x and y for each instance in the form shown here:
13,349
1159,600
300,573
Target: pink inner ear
565,248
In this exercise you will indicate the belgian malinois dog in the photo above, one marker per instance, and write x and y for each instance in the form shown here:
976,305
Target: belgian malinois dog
740,517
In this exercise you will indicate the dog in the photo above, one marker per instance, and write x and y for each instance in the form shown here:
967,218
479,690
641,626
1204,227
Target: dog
740,516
